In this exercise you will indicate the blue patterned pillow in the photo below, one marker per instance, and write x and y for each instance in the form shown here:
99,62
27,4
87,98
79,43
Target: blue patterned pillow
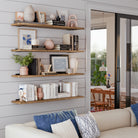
87,126
44,122
134,108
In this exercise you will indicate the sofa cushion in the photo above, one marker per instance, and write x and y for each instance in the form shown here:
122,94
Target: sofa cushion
65,129
87,126
133,118
126,132
30,124
112,119
44,122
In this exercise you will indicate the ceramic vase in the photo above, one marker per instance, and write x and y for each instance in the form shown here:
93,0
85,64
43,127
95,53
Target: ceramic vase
108,84
74,64
40,94
24,70
49,44
29,14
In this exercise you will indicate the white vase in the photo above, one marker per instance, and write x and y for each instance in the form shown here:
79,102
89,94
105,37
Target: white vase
29,14
74,64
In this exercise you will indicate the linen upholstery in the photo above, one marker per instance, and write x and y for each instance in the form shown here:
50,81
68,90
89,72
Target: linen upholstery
28,130
31,124
133,118
126,132
22,131
112,119
65,129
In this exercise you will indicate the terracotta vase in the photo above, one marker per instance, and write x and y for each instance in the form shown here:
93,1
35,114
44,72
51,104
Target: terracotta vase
29,14
49,44
40,94
24,70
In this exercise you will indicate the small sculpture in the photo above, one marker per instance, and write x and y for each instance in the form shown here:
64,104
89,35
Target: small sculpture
52,17
73,22
21,94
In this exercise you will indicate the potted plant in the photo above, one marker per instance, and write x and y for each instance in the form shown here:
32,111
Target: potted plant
98,77
24,61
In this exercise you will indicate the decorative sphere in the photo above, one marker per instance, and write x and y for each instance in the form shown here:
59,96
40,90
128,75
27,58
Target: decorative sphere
49,44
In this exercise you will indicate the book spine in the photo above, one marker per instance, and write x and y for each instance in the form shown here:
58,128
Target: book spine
35,93
75,42
73,89
72,42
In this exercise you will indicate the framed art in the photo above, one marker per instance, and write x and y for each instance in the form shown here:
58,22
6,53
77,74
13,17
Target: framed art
60,63
41,16
25,36
19,16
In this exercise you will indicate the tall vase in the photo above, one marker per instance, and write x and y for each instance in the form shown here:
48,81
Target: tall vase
108,84
74,64
40,94
29,14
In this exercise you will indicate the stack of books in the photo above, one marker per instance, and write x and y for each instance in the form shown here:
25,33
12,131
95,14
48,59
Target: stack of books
35,67
50,90
71,88
72,41
28,92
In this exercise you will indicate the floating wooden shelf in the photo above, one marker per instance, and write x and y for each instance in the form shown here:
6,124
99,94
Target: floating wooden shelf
33,76
47,100
38,25
60,51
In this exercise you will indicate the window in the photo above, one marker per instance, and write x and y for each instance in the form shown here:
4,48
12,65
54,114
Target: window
98,54
134,48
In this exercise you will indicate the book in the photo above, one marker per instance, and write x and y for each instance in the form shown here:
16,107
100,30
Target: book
34,67
46,90
74,88
71,88
75,42
54,90
72,40
50,90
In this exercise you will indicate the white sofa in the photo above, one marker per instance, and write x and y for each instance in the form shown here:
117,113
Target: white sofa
119,123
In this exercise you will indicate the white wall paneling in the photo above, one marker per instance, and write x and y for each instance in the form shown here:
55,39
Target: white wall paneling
11,113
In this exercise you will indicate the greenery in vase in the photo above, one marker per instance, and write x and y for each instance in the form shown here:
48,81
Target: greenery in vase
23,60
98,77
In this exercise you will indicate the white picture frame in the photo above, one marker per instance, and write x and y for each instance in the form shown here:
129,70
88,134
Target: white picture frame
25,36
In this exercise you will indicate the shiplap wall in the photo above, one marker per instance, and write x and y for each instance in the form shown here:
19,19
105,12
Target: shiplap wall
11,113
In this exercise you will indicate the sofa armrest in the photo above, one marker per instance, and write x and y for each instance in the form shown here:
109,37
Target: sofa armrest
22,131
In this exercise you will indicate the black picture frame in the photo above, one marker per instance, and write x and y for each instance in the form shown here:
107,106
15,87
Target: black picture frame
60,63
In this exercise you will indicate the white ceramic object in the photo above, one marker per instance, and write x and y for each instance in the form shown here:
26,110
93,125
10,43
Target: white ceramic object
52,17
29,14
35,42
74,64
49,44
